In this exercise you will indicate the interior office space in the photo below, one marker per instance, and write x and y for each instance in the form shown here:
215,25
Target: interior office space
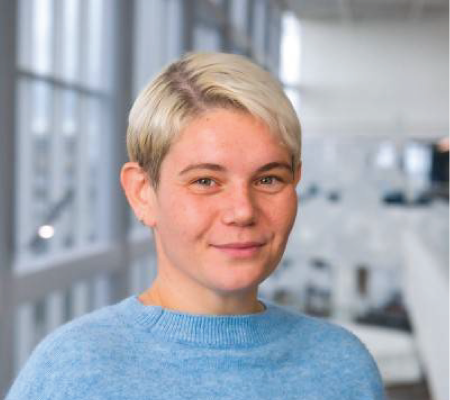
369,80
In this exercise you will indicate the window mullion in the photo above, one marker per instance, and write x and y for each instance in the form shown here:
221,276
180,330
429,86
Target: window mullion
81,184
56,188
58,38
25,222
84,32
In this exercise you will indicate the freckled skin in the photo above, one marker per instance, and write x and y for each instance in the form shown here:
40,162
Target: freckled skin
235,205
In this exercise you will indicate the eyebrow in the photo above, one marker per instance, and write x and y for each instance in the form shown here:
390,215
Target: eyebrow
274,165
210,166
220,168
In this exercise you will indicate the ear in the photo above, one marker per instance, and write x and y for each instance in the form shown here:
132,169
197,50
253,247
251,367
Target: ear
298,174
139,192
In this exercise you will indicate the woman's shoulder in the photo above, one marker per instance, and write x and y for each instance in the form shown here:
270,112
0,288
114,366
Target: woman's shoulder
90,327
330,350
319,334
64,353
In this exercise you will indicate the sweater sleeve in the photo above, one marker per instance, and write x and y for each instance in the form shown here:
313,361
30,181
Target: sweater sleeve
65,365
43,376
338,364
358,371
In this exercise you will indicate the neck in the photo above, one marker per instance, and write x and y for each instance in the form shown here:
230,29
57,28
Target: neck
208,303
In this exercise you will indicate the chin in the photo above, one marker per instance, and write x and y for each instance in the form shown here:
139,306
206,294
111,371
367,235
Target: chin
238,283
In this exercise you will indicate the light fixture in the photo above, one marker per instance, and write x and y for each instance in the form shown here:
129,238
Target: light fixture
46,231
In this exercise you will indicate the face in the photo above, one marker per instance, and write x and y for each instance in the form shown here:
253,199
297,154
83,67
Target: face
225,204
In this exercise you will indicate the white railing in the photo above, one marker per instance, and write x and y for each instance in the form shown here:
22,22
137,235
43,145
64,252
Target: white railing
427,292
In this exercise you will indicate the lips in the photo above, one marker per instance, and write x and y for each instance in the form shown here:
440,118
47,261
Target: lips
240,249
239,245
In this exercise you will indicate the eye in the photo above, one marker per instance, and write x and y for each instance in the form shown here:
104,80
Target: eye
205,182
205,186
269,180
270,183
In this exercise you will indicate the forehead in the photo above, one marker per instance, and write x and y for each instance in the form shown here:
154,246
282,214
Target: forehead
224,135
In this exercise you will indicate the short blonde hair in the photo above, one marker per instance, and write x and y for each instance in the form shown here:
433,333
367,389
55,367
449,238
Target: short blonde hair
195,84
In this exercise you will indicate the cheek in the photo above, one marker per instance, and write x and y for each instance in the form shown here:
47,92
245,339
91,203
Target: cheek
282,214
185,217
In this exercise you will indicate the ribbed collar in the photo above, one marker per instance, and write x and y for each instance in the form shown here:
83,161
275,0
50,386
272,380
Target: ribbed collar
208,330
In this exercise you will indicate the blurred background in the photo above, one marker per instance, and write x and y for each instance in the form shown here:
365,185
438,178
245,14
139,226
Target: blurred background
369,79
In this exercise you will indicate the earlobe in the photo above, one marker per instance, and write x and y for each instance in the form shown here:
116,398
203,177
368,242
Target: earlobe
139,192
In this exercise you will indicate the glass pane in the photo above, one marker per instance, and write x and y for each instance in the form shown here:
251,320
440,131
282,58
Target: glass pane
290,50
24,33
67,306
24,335
48,176
206,39
259,28
93,55
239,15
101,292
80,293
59,148
40,316
91,160
63,210
38,168
42,35
55,311
273,39
174,28
70,43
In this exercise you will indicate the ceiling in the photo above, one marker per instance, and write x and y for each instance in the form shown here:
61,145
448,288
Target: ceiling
356,10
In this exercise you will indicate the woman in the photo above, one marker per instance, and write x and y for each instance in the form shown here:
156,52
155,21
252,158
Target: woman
215,160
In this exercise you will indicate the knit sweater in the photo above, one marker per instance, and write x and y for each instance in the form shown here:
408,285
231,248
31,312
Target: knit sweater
132,351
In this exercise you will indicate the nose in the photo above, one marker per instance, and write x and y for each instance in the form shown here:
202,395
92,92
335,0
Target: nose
239,207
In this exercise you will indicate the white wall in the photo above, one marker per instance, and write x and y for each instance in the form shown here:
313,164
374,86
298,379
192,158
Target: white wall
386,77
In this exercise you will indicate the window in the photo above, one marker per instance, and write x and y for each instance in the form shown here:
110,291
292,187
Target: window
206,38
290,57
61,108
209,24
239,15
259,37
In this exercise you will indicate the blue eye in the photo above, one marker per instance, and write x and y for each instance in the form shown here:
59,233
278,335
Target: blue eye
270,184
204,185
269,180
204,182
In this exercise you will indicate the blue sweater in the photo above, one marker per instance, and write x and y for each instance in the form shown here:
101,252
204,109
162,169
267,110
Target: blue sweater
129,351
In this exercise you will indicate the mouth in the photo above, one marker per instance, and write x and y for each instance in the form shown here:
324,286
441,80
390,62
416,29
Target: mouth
241,249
